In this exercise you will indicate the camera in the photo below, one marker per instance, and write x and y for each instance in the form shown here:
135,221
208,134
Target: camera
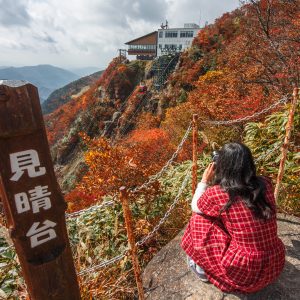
214,156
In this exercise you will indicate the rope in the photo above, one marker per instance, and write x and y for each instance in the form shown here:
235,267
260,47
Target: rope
167,214
247,118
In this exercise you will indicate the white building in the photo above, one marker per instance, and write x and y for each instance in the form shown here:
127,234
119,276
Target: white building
176,39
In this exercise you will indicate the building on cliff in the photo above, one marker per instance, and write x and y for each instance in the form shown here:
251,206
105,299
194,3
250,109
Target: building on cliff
175,39
144,47
164,41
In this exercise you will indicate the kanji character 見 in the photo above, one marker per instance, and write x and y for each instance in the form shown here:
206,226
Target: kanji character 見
26,161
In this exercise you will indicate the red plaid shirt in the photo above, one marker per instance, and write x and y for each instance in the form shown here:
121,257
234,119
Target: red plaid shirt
238,251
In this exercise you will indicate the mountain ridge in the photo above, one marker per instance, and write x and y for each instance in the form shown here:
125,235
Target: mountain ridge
46,78
68,92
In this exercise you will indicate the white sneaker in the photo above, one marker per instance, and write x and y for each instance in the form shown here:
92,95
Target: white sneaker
197,270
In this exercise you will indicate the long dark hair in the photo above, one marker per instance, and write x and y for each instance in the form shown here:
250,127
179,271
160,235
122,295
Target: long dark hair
236,174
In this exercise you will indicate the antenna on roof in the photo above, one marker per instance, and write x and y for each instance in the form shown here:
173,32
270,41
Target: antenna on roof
165,26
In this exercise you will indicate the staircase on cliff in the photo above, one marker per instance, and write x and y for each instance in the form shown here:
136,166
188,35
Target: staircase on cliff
162,67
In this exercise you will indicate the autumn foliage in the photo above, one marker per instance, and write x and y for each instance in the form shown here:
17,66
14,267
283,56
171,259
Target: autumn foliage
237,66
242,63
128,164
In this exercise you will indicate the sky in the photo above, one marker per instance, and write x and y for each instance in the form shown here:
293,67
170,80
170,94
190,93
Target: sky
82,33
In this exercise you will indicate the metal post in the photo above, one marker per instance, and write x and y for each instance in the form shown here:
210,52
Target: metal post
195,144
285,145
33,203
131,240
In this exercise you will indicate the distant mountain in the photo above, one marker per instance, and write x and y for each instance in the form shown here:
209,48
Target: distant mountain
68,92
85,71
46,78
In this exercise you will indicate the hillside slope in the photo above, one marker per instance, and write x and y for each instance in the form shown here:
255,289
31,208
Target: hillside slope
231,71
69,91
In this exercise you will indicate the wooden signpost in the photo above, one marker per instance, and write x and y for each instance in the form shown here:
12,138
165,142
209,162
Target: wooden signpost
32,200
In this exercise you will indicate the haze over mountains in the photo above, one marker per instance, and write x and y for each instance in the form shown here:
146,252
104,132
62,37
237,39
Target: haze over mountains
68,92
47,78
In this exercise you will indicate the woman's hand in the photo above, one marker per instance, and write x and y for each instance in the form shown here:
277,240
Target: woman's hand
208,173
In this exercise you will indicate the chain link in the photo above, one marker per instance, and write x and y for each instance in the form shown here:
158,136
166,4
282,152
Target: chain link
5,249
145,185
263,156
167,214
92,208
167,165
103,264
247,118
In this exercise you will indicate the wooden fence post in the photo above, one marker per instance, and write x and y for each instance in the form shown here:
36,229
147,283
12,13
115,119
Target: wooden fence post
285,145
33,203
131,240
195,145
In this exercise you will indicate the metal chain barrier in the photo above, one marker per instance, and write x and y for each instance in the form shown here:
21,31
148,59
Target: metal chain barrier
103,264
263,156
145,185
247,118
91,209
5,249
167,165
117,258
167,214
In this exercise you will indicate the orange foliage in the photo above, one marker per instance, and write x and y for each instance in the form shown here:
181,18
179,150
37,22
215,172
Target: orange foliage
221,95
151,149
128,164
58,123
148,121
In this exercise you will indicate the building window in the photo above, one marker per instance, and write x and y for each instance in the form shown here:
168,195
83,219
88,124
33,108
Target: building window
160,46
186,34
161,34
171,46
142,47
171,34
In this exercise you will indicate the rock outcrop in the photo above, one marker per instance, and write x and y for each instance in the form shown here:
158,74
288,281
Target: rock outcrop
167,276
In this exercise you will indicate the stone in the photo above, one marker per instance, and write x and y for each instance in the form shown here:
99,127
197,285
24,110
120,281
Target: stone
167,276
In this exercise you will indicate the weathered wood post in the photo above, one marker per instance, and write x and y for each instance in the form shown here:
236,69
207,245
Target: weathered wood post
285,145
195,145
32,200
131,240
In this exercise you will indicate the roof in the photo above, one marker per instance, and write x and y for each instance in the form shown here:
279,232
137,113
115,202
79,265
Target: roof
179,28
141,37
